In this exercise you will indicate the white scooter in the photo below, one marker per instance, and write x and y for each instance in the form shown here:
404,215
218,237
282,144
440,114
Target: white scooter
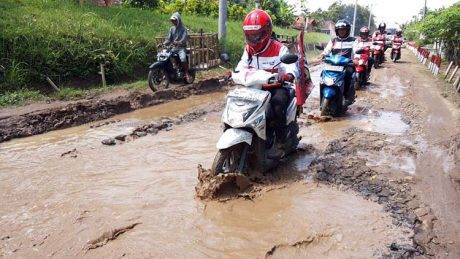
248,138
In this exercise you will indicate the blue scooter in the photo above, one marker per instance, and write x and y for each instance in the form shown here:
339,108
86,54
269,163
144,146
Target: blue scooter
332,85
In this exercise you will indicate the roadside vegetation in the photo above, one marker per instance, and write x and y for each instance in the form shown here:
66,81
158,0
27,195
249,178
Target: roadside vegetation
438,26
67,42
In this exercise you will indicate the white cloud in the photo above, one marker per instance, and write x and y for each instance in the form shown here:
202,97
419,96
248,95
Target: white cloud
390,11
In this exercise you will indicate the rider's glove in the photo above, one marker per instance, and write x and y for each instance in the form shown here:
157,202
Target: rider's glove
287,78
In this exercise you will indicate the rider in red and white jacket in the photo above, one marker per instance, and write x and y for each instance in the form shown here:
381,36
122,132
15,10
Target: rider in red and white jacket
264,52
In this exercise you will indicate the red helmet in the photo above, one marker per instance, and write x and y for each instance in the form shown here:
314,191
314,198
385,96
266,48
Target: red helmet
257,27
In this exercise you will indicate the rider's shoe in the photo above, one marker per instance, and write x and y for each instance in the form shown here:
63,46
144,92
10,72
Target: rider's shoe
277,153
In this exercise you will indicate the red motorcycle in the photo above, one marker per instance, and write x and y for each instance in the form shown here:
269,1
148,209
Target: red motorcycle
396,49
361,62
379,50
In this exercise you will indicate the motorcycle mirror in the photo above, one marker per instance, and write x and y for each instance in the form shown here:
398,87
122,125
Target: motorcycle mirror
318,47
289,58
224,57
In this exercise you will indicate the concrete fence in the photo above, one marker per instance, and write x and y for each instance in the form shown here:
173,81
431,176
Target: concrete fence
433,63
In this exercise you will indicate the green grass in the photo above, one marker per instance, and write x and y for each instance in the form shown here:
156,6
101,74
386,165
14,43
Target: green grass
19,97
60,39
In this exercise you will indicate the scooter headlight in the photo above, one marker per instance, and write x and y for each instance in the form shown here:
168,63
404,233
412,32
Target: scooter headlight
329,81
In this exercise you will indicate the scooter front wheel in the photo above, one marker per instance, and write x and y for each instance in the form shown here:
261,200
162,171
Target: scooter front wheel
158,79
229,160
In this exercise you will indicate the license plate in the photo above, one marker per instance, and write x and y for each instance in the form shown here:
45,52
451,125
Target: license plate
333,68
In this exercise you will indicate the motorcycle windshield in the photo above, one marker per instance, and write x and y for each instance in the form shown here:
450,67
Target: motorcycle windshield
337,60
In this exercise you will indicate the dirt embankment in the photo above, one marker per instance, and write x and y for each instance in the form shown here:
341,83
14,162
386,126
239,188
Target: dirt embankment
80,112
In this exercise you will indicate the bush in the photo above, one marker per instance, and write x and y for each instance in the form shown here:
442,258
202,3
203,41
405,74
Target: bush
142,3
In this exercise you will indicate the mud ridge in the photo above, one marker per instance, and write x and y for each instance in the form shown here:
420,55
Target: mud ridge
299,244
165,123
341,165
108,236
81,112
226,187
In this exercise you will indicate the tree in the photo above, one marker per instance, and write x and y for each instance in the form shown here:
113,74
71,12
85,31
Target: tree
338,11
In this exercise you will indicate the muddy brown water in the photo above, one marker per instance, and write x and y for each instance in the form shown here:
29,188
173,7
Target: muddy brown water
53,205
56,204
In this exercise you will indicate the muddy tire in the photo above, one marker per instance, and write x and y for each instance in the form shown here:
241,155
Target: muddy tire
158,79
227,160
328,108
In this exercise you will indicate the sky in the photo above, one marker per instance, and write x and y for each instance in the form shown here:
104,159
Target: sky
393,12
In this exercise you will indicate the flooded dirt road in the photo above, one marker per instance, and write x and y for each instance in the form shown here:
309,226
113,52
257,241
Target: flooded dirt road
137,199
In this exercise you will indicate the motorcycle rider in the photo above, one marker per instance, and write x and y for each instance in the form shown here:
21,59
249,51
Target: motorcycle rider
381,35
178,37
343,44
262,51
364,40
398,39
398,35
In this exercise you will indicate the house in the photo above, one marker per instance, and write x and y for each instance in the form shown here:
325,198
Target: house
327,27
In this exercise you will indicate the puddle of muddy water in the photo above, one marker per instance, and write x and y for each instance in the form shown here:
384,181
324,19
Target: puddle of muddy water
90,136
60,204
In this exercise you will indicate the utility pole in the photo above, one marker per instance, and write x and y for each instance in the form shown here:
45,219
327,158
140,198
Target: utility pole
222,28
257,4
354,20
370,16
424,10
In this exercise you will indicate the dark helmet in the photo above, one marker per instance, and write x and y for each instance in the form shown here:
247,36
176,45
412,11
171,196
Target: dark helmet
342,24
382,27
398,32
364,32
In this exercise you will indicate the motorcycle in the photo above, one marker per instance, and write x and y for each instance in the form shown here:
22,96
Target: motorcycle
249,138
168,69
396,49
378,53
332,85
361,63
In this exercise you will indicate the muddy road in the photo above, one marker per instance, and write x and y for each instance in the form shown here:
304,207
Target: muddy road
381,181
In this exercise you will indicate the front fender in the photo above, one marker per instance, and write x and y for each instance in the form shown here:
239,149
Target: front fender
158,64
232,137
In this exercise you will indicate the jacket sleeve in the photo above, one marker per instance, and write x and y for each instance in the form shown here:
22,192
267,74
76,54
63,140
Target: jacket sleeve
327,50
168,38
182,37
356,47
289,68
244,61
